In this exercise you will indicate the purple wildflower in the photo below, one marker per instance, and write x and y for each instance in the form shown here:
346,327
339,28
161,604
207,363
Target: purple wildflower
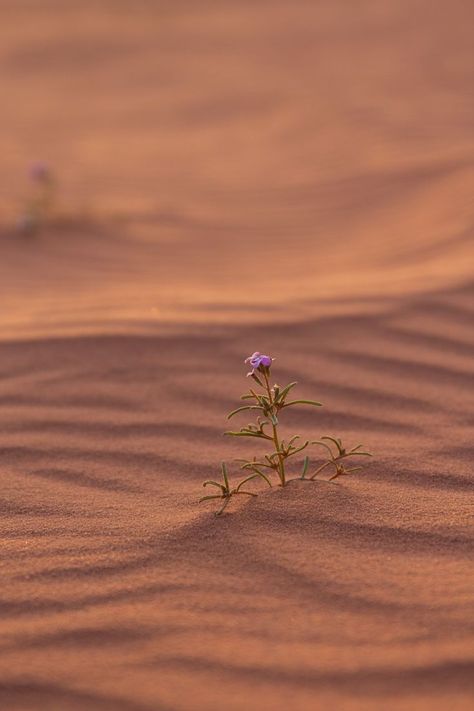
40,172
258,361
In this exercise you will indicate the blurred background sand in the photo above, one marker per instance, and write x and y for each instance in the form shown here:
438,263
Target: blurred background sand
242,155
234,176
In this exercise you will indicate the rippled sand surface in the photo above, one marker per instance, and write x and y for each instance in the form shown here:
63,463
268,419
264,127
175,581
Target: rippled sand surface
289,177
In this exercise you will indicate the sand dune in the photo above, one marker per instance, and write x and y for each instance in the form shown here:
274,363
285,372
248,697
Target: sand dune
294,178
120,592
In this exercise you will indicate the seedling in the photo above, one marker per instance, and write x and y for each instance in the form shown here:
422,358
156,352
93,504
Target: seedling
38,205
336,457
226,492
267,402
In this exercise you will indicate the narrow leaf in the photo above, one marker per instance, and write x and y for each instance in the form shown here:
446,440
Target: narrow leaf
224,474
305,467
248,465
241,409
259,474
318,470
276,454
302,402
285,391
244,481
248,434
336,441
326,446
226,502
213,483
298,449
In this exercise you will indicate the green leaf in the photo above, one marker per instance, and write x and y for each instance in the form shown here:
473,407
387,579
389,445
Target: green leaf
241,409
305,467
244,481
248,434
224,474
285,391
207,498
276,454
302,402
298,449
258,473
248,464
323,444
336,441
214,483
226,502
320,469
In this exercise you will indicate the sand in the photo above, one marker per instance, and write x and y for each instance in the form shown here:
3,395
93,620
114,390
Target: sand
294,178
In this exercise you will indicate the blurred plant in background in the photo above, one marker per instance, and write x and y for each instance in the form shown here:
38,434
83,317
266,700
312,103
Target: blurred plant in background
269,400
39,203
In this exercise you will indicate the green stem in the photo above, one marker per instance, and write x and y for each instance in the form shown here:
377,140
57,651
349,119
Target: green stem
281,461
320,469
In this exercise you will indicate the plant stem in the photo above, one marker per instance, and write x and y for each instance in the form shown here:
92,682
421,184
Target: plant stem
320,469
276,441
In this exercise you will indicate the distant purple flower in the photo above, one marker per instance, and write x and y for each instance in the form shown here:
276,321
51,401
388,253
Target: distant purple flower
258,361
40,172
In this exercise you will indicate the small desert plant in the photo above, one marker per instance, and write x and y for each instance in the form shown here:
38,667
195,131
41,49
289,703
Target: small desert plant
269,401
38,204
225,491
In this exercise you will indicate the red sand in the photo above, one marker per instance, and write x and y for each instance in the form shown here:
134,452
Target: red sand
288,177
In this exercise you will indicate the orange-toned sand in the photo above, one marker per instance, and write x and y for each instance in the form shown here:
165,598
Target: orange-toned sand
292,177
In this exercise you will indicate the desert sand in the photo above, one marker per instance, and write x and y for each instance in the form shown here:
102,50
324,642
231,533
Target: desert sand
294,178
